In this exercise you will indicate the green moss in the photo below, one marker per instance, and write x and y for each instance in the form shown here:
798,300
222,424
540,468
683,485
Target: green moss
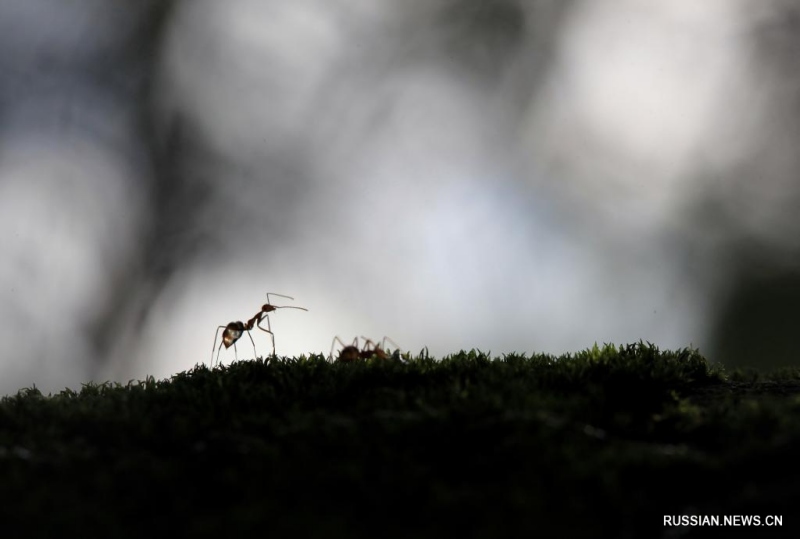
587,444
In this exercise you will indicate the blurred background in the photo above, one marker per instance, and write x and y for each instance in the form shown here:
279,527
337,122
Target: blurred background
507,175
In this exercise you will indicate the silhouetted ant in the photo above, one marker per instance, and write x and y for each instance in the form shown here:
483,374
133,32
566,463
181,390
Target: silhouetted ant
233,331
350,353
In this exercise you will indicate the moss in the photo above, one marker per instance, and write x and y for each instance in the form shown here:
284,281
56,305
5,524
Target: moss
602,442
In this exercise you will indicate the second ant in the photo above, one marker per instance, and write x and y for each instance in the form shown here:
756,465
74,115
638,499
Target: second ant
351,352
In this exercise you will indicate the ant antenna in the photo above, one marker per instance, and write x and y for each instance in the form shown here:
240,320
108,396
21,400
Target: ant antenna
264,314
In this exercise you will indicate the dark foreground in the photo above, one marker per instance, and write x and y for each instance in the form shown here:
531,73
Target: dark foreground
604,443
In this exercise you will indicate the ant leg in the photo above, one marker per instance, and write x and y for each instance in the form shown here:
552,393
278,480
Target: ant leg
268,331
215,344
383,343
397,353
218,351
255,354
333,343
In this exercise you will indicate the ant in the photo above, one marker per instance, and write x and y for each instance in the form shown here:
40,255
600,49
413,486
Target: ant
233,331
348,354
351,353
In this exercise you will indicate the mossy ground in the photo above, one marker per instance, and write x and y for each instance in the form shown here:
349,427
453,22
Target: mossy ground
604,442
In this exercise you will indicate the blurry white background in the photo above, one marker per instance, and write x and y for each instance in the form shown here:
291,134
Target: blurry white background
507,175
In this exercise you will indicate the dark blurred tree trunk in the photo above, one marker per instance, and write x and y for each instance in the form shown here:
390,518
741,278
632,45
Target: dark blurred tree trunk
138,58
758,317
